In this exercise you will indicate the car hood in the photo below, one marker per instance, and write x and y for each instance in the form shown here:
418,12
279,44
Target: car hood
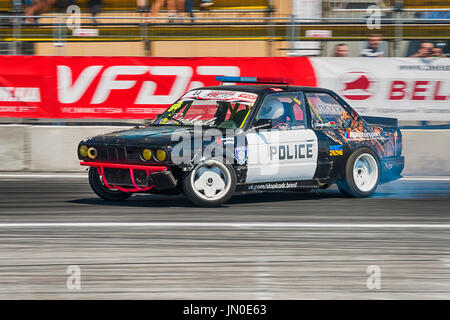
151,135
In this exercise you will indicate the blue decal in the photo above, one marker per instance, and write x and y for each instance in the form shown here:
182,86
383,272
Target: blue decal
336,148
240,153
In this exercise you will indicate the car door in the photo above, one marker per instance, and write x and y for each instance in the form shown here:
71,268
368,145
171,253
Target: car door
288,150
330,121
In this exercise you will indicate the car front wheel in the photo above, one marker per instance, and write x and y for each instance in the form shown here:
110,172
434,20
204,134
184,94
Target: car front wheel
210,183
362,174
96,183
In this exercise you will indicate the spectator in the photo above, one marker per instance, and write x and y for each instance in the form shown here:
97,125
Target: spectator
425,50
436,15
37,7
206,3
437,53
189,7
17,5
341,50
173,6
142,6
95,6
374,47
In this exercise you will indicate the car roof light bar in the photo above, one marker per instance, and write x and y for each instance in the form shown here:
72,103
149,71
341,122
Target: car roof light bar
264,80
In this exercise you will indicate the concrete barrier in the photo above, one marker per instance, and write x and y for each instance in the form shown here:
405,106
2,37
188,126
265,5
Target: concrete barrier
13,148
53,148
427,152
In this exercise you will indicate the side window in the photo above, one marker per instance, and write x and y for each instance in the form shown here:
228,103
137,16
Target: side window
238,113
327,112
286,110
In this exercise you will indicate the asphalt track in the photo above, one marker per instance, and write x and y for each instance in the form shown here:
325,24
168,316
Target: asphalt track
261,246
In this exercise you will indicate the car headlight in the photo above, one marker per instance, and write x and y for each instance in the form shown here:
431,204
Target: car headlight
147,154
83,150
161,155
92,153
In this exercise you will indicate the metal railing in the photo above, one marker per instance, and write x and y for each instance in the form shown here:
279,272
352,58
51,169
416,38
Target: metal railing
59,30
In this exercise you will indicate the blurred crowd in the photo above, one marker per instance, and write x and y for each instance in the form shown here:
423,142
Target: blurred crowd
176,8
34,8
428,49
374,48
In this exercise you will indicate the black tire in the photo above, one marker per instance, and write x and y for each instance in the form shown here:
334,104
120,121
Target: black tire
349,186
103,192
343,187
225,171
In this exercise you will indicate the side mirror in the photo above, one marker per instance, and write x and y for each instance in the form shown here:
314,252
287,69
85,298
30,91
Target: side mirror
262,124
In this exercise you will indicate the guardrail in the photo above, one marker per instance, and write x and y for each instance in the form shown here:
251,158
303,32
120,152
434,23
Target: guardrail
53,148
56,29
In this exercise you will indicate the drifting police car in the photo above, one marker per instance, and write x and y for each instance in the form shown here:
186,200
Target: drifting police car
263,135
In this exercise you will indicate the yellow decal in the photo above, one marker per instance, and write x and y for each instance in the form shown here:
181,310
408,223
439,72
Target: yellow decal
172,110
245,119
314,110
336,152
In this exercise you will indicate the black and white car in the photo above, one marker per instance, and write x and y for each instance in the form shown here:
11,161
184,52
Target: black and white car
215,141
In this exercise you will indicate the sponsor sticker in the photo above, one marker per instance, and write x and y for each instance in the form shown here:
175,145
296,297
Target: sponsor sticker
336,150
224,95
227,141
273,186
329,124
362,135
240,154
219,141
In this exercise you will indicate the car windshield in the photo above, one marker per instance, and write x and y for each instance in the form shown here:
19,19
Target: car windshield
214,108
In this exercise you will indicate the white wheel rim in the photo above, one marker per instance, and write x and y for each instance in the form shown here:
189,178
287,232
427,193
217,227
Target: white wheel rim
365,172
211,180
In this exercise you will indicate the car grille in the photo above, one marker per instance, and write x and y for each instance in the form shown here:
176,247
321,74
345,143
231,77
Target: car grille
118,154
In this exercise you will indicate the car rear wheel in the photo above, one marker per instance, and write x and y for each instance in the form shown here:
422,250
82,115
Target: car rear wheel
362,174
210,183
96,183
342,186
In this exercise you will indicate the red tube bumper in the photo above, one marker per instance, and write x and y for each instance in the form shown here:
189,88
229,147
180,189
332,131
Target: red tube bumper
147,169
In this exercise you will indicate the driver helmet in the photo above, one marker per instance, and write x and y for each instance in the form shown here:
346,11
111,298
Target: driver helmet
272,109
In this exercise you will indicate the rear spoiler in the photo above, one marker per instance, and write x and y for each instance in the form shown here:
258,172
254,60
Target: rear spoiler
382,121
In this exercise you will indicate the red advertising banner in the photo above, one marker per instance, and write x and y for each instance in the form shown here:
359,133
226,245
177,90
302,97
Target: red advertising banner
405,88
122,87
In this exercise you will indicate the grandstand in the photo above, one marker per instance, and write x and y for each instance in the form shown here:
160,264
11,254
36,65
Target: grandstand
411,30
228,28
264,6
423,4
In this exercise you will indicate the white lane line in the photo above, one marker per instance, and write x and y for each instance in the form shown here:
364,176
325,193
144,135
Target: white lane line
430,178
44,176
266,225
